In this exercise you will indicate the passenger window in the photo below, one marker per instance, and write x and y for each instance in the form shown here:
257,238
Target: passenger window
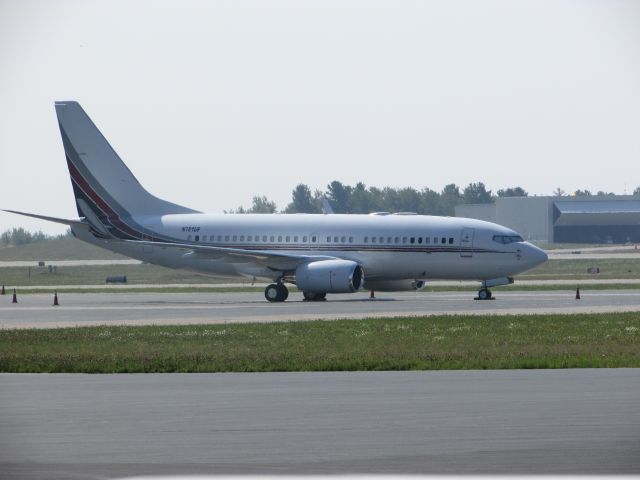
314,239
343,239
413,240
444,240
397,240
404,239
435,240
381,239
287,239
272,239
328,239
304,239
188,238
350,239
242,238
279,238
366,239
226,238
419,239
450,240
204,238
373,239
427,240
219,238
336,239
295,238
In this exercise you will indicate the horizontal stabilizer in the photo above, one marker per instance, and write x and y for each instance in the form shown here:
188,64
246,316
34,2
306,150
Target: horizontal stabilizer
72,223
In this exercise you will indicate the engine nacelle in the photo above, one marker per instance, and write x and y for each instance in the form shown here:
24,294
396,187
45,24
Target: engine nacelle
329,276
395,285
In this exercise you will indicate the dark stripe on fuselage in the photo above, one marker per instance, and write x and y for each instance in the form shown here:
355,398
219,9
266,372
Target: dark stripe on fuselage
105,213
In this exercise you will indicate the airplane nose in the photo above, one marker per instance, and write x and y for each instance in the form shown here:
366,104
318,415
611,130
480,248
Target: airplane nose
534,256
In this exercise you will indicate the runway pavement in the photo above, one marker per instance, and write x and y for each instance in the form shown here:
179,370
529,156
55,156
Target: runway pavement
488,422
183,308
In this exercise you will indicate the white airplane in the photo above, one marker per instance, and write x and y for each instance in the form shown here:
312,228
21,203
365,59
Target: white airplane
319,253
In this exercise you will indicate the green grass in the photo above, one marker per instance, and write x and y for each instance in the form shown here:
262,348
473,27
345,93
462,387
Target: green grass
577,269
412,343
97,274
153,274
68,248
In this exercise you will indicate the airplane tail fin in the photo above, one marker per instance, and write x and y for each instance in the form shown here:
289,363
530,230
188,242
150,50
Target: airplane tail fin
105,189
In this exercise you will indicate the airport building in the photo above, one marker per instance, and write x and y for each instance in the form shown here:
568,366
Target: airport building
584,219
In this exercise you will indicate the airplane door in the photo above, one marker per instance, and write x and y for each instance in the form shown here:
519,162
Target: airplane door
466,242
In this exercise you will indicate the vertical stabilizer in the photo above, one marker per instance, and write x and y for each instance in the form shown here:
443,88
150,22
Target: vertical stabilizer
104,188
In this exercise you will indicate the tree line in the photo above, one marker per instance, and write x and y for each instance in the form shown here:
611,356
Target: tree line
20,236
362,199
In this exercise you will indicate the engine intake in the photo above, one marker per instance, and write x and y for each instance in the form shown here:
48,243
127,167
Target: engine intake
329,276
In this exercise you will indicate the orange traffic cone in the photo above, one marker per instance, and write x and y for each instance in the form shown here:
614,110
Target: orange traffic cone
15,297
55,299
577,293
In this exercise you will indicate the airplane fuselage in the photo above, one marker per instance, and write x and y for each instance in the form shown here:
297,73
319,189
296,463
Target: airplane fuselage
388,246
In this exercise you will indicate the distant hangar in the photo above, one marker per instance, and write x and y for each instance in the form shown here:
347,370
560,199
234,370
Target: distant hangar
580,219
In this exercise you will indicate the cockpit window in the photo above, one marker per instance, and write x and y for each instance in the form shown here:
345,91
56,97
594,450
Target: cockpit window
507,238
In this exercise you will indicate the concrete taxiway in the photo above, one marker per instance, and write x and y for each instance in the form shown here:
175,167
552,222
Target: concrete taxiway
464,422
36,311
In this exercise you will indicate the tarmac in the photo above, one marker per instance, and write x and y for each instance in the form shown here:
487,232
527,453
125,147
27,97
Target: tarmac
462,422
117,308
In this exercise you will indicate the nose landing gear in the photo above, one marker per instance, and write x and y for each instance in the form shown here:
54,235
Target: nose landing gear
484,294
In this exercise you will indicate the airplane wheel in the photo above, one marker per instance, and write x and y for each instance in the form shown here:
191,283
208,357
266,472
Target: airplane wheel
283,292
276,292
484,294
313,296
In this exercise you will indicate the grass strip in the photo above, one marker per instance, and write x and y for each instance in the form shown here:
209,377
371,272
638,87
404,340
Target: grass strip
409,343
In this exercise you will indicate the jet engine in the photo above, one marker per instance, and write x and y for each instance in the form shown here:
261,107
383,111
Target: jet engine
395,285
329,276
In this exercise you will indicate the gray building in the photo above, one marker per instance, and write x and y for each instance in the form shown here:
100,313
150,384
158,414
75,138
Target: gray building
587,219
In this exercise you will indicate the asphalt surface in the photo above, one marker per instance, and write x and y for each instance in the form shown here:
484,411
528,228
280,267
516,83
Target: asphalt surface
184,308
487,422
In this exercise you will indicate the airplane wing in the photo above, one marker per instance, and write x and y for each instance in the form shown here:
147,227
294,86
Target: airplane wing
269,259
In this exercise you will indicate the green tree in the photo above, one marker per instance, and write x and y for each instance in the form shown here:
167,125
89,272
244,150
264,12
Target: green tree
512,192
476,193
429,202
262,205
338,196
582,193
449,198
302,201
359,200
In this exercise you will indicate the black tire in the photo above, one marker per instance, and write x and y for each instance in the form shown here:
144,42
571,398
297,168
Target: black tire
309,296
484,294
314,296
272,293
283,292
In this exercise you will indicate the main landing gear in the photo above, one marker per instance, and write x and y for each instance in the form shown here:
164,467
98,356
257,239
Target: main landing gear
276,292
314,296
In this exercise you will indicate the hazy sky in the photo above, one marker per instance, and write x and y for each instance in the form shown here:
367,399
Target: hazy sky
209,103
